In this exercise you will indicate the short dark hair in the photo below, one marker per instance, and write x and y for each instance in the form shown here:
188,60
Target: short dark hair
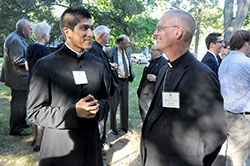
120,39
72,16
225,43
238,39
212,38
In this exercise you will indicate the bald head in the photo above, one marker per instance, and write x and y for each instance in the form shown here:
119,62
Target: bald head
174,33
24,27
182,19
154,52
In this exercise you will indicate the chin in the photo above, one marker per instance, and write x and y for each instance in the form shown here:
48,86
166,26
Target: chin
86,47
158,47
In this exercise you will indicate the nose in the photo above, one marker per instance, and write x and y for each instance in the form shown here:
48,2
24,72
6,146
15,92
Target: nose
155,33
89,32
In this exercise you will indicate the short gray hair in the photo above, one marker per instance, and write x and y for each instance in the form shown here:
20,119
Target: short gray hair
21,24
41,29
100,30
185,20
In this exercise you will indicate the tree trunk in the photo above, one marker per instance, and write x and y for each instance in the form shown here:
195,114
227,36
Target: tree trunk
197,36
233,23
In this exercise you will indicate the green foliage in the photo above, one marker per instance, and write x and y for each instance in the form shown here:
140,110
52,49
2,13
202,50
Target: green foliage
246,23
212,19
124,17
34,10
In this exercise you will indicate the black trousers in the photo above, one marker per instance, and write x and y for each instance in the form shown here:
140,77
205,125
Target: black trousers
102,129
120,96
17,110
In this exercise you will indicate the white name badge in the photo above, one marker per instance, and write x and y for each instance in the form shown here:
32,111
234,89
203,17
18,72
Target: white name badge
171,99
80,77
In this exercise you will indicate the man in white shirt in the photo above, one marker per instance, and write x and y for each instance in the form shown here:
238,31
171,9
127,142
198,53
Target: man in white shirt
120,63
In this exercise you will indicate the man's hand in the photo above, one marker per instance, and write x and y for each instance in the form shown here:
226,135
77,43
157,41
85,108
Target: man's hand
113,66
151,77
87,107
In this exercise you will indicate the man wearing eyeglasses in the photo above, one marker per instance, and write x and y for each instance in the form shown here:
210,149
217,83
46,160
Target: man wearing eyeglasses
185,124
224,49
214,44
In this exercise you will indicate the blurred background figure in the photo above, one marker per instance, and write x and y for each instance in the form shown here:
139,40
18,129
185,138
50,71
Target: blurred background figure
147,84
235,89
15,76
102,36
224,49
121,64
214,44
34,52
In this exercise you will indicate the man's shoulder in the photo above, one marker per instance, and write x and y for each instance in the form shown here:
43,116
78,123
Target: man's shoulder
209,59
95,48
94,45
13,37
92,59
163,60
196,66
112,50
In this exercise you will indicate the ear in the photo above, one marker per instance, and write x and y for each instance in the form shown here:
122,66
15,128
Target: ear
211,45
67,32
179,32
23,31
44,36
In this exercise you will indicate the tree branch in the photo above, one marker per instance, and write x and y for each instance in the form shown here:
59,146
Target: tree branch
59,4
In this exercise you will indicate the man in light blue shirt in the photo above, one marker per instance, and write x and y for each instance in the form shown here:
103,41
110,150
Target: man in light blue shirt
234,76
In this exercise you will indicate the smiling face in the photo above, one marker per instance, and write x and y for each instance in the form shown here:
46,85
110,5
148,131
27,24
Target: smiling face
164,33
124,44
80,37
218,45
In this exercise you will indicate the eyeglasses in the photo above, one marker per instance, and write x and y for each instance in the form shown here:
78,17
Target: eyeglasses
153,50
161,27
226,47
219,41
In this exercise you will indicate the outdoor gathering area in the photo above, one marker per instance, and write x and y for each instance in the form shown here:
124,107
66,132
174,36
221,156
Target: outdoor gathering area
124,83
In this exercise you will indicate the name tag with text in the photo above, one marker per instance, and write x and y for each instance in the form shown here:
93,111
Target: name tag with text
80,77
171,99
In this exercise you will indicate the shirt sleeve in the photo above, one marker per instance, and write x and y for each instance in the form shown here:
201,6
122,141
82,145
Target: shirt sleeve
40,110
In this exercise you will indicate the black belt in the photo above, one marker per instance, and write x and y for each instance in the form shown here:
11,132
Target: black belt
242,113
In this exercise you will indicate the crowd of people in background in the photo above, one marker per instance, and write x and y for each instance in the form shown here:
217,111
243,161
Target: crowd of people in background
193,113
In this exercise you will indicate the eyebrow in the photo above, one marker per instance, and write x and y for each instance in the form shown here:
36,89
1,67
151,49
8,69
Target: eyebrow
86,25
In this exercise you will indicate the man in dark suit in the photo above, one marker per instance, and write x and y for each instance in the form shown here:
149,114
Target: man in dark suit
15,76
69,96
185,124
120,62
102,37
214,44
147,84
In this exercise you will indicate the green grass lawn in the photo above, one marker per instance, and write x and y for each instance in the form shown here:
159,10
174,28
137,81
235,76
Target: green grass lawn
16,151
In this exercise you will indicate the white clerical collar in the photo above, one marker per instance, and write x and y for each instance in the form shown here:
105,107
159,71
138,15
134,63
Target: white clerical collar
77,53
